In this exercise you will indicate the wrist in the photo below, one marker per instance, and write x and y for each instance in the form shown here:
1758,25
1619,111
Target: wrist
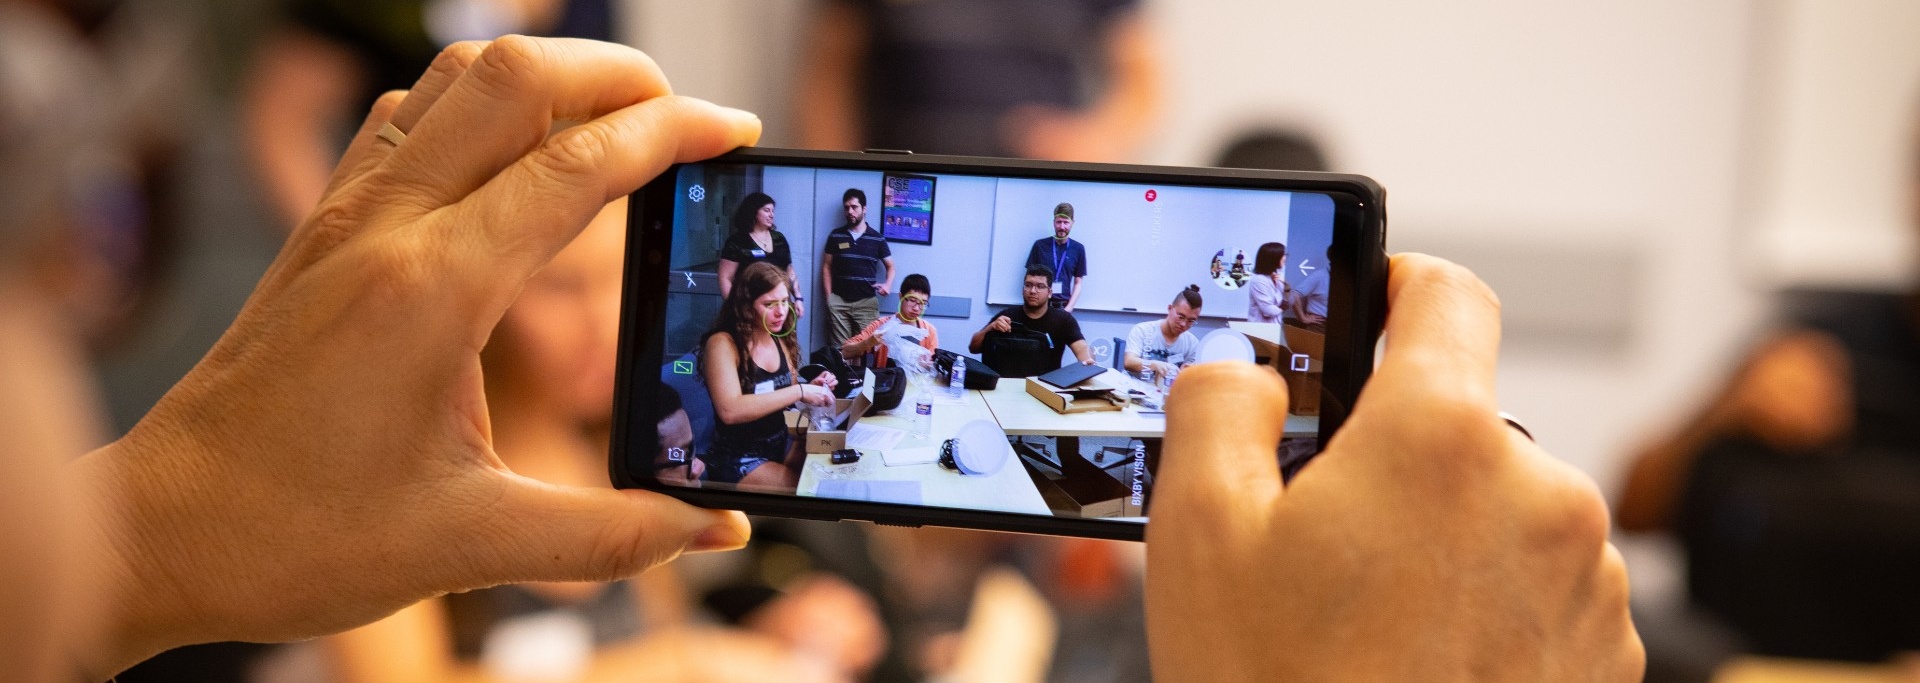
130,590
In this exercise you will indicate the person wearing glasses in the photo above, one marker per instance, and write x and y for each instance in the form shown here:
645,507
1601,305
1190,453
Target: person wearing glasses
1025,340
749,361
915,292
1167,344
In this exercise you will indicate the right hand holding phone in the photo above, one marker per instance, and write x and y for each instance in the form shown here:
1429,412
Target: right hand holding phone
1429,541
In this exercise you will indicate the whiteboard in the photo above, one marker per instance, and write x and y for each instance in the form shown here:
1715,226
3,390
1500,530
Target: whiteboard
1140,252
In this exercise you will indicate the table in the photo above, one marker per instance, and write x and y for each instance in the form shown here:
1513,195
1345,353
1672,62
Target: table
1009,490
1020,414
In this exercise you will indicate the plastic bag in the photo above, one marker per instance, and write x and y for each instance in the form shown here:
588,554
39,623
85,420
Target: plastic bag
904,349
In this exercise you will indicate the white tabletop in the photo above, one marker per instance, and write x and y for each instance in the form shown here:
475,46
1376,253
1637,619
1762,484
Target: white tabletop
1020,414
1009,490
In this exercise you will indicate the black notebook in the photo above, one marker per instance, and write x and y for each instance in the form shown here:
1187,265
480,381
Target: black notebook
1071,374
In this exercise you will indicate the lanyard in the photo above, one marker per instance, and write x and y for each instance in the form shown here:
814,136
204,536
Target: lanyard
1059,264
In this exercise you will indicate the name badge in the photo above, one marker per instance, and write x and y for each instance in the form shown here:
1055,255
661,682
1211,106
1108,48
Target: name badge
1060,287
845,246
759,253
763,388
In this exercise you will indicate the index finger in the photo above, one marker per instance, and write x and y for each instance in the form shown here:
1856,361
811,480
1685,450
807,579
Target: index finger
504,105
1442,332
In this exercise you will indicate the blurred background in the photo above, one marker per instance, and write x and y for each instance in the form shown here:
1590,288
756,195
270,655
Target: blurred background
1652,187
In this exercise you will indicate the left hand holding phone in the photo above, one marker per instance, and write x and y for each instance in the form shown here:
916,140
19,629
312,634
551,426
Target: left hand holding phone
315,394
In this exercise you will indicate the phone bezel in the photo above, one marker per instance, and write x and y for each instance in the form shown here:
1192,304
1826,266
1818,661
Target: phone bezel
1358,287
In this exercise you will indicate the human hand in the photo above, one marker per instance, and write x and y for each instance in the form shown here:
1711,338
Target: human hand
815,395
1429,541
799,308
825,379
1311,319
1796,394
1001,324
330,460
882,289
827,620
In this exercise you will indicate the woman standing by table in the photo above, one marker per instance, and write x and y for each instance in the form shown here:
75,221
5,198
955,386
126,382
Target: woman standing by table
756,240
1268,296
749,360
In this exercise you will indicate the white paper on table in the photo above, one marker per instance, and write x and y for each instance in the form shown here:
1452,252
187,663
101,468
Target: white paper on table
923,455
874,436
941,398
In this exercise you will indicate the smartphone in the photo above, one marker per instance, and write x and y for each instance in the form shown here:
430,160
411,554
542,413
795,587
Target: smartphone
743,268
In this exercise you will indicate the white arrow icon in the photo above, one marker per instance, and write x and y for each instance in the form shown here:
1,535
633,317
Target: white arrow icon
1304,267
689,275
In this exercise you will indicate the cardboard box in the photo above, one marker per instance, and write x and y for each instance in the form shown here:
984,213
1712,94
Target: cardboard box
1085,397
1087,491
848,412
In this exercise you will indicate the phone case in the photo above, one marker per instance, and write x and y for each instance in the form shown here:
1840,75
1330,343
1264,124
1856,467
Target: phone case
1357,302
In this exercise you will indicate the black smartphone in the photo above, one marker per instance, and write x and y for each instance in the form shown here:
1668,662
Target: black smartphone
744,268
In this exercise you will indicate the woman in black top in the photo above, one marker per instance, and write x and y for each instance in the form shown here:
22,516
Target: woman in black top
754,240
748,362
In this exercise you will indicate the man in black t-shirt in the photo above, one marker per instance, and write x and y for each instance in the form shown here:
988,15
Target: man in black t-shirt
1025,340
856,267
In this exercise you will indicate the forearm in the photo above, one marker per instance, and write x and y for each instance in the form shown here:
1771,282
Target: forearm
130,608
1130,104
1132,362
744,408
825,109
973,345
856,349
826,275
1082,352
1660,472
1075,297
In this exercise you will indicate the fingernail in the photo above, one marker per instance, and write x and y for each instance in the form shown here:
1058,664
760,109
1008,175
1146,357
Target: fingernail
716,538
741,115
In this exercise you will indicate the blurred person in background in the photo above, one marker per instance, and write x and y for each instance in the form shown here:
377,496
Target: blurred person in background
318,71
1793,491
549,370
1076,80
92,95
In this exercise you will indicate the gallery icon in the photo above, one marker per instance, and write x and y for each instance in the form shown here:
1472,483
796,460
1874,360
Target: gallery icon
683,367
697,194
1301,362
676,455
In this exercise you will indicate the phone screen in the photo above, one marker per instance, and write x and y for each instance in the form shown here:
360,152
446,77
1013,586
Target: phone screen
1016,359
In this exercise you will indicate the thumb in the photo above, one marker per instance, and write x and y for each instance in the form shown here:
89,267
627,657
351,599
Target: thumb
545,532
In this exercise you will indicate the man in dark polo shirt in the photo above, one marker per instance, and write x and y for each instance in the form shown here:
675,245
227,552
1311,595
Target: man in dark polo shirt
1063,255
857,268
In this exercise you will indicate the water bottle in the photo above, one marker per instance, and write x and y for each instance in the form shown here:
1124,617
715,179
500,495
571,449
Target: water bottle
957,380
922,415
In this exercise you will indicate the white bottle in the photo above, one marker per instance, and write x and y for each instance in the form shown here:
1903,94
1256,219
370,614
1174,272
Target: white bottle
957,380
922,415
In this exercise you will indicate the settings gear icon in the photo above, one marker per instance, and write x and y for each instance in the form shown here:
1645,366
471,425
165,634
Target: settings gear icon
697,194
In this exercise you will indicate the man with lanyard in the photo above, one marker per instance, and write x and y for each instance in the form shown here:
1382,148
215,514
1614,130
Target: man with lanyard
850,268
1066,257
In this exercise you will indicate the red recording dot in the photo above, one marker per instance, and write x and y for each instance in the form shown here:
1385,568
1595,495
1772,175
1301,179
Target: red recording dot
1152,195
